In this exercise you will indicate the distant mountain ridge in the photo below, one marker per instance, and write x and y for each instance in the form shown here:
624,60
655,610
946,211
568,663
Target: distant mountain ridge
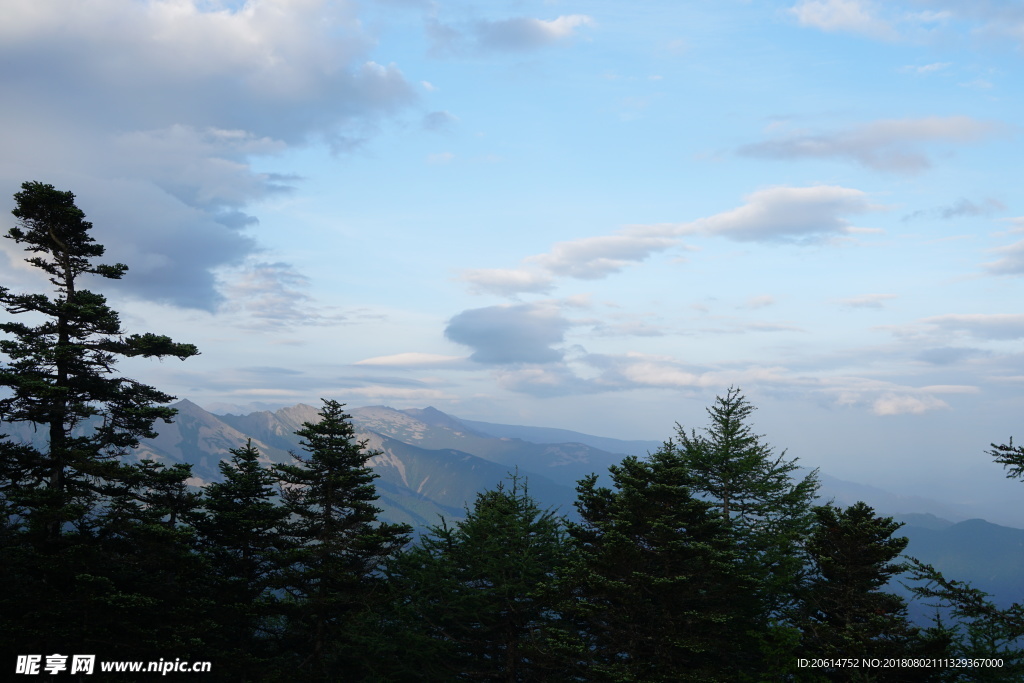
432,464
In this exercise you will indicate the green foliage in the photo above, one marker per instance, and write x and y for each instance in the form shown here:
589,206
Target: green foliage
86,536
61,372
846,613
335,546
766,506
659,594
240,535
472,601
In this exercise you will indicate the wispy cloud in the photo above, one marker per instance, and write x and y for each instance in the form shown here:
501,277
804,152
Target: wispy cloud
786,214
515,34
866,300
921,69
273,296
988,326
413,359
888,145
1010,261
777,214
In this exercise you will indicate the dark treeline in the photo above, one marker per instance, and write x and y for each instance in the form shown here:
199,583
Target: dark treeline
708,560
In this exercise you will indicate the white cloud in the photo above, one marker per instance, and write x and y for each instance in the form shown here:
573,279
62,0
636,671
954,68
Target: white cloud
786,214
1011,261
888,398
897,404
272,295
794,214
514,34
153,110
990,326
887,145
593,258
440,158
760,301
588,258
521,33
926,68
854,16
507,282
980,325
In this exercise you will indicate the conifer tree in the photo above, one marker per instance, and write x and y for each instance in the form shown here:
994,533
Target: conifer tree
472,600
60,544
337,546
763,500
61,372
658,590
846,611
240,534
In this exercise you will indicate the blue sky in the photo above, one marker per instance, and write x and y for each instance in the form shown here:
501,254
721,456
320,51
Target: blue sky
594,216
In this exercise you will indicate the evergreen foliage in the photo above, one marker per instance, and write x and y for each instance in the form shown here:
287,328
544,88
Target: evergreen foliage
335,548
846,613
240,534
85,535
981,629
471,600
659,595
705,561
766,505
61,372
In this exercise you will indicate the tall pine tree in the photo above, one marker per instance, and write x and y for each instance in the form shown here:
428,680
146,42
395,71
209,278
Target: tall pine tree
60,377
337,547
846,611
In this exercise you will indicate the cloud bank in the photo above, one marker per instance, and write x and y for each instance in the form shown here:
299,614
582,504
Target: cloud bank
153,112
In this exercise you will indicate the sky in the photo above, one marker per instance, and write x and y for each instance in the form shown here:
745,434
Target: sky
589,215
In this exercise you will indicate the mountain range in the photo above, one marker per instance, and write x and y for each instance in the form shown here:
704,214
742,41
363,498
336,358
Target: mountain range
431,464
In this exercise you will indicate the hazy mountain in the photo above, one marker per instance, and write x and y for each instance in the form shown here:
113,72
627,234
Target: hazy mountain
989,556
564,463
432,464
551,435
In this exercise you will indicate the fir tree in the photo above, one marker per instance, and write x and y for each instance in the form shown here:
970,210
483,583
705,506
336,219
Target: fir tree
766,504
472,599
980,628
658,592
846,611
240,534
337,546
61,372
